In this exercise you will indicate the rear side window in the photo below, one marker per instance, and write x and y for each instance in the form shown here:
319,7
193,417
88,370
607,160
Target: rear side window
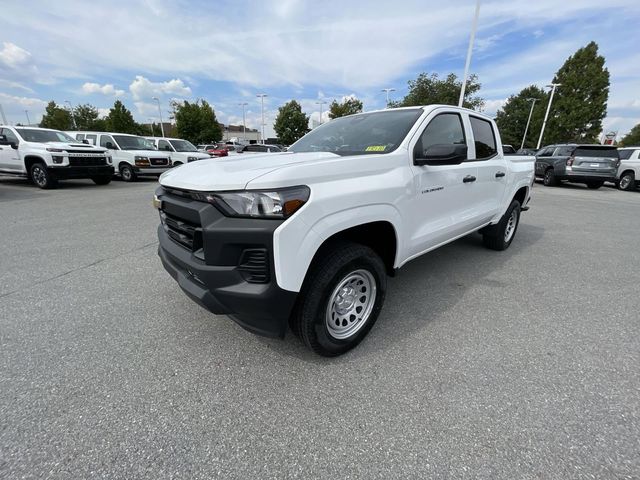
625,154
545,152
563,151
596,152
484,137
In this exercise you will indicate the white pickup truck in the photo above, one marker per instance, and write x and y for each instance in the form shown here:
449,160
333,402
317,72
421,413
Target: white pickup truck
307,237
46,156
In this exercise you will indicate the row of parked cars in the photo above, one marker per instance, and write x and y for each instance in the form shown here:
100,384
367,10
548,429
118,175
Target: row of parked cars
46,156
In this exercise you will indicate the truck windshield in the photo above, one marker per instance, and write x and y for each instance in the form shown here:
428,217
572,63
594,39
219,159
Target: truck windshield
44,136
183,146
126,142
363,134
596,152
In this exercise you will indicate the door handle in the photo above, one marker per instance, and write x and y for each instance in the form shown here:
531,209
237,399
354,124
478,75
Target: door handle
500,174
469,179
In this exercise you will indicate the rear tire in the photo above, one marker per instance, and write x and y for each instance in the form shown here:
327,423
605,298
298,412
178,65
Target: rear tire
127,173
594,185
340,300
41,177
102,180
627,182
499,236
550,179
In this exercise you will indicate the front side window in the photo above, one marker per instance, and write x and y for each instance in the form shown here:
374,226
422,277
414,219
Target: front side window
11,137
484,138
164,146
564,151
107,142
545,152
80,137
44,136
445,128
91,138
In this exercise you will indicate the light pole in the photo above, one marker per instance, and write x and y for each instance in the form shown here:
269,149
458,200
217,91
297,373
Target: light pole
244,122
160,112
533,102
387,90
321,102
262,95
151,122
26,112
546,115
468,62
73,118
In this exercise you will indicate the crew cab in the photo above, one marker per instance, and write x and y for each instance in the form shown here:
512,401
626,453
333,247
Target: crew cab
589,164
46,156
307,237
133,156
180,151
629,169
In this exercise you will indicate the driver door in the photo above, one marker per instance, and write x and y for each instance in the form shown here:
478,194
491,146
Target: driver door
9,157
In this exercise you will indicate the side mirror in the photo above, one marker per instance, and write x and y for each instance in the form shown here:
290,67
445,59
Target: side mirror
442,154
3,140
110,146
86,142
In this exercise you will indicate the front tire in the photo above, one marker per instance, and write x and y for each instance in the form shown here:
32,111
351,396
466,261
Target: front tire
102,180
499,237
594,185
41,177
627,182
127,173
340,300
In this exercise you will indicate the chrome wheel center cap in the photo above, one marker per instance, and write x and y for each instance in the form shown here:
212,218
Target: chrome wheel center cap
345,300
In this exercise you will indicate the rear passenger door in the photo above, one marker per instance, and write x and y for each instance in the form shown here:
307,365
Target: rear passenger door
492,169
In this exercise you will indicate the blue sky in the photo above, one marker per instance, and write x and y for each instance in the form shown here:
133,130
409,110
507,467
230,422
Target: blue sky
227,51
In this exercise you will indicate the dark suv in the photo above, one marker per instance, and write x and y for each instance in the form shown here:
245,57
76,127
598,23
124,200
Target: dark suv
590,164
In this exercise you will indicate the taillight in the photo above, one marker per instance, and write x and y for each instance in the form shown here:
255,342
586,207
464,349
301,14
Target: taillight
570,160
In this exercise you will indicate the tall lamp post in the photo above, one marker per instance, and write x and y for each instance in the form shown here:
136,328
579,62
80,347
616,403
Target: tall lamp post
469,50
160,112
151,122
321,102
262,95
553,87
73,117
26,112
244,121
387,91
526,129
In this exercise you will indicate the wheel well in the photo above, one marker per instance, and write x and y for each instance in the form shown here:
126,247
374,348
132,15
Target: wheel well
628,171
30,160
121,164
379,236
521,195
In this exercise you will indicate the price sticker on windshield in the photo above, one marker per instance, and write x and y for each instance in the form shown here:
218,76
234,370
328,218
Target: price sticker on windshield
375,148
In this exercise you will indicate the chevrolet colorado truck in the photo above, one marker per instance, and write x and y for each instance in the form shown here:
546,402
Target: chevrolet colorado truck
307,237
46,156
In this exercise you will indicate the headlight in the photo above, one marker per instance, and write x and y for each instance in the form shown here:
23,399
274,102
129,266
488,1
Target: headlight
192,159
276,204
141,161
57,150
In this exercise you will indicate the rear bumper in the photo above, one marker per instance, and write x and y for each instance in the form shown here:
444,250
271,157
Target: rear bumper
64,173
582,177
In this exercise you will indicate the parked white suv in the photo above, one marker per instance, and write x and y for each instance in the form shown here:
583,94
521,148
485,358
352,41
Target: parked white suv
307,237
46,156
133,156
181,151
629,169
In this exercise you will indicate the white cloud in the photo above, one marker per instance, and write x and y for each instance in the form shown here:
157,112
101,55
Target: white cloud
492,106
106,89
13,56
142,88
103,112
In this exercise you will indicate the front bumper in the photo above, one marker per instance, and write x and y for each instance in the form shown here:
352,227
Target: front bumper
68,172
211,276
151,171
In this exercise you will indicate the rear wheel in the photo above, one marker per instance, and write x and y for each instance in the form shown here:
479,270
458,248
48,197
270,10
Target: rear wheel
594,185
41,177
340,300
499,236
102,180
127,173
627,181
550,179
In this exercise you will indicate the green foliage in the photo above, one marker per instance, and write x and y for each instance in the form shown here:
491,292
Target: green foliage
56,117
121,120
197,122
580,104
512,117
291,123
86,117
632,138
348,106
430,89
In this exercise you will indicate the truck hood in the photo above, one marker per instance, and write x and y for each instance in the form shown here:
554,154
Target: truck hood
235,172
66,146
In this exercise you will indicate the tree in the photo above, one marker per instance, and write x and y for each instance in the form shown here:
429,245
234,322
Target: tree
86,117
121,120
197,122
430,89
348,106
512,117
580,103
632,138
56,117
291,123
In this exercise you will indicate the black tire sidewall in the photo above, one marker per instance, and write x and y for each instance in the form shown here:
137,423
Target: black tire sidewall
49,180
632,182
132,175
549,178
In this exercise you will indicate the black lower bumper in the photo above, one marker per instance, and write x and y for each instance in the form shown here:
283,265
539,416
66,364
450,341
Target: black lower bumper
587,178
64,173
211,276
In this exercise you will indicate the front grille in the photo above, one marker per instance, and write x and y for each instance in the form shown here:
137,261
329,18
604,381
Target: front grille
254,265
159,161
78,161
182,232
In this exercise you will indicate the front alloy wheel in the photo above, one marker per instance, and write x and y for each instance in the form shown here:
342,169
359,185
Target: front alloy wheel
627,181
41,177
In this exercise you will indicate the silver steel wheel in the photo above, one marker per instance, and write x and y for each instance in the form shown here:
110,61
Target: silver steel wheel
625,181
511,226
350,304
39,175
125,173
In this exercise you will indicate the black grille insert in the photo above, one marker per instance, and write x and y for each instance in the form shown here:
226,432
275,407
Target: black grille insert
159,161
77,161
254,265
182,232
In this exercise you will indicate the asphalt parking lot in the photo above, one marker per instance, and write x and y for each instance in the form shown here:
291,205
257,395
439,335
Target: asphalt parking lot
516,364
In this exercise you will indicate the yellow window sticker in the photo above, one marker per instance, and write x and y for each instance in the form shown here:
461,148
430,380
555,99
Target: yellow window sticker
375,148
